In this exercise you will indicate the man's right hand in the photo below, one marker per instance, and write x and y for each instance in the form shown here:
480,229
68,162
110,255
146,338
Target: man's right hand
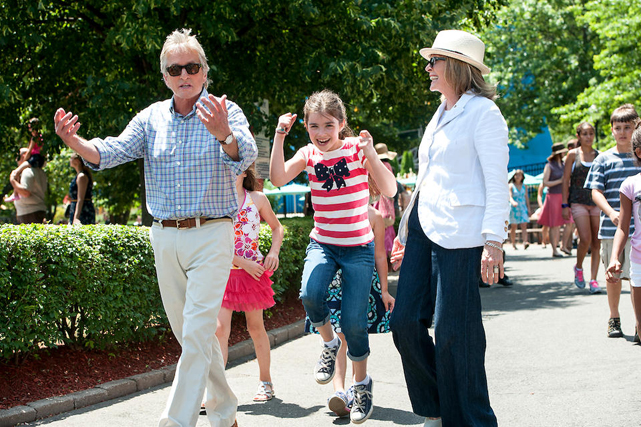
66,127
614,217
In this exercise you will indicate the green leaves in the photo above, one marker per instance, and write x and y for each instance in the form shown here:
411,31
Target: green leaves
96,286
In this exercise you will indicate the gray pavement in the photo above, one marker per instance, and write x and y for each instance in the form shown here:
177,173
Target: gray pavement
549,363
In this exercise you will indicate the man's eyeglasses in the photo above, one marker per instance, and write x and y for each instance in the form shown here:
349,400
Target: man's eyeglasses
176,70
433,60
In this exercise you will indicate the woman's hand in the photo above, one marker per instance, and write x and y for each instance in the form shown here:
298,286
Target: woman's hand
613,272
492,262
388,301
398,252
271,261
614,217
565,212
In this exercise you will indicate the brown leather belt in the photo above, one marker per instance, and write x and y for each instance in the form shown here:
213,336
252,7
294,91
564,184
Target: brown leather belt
185,223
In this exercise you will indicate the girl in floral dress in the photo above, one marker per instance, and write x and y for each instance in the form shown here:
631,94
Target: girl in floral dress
249,285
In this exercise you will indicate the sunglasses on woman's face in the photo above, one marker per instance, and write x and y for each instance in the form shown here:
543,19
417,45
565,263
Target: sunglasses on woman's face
176,70
433,60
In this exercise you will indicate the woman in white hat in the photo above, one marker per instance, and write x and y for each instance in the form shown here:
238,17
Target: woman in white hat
452,233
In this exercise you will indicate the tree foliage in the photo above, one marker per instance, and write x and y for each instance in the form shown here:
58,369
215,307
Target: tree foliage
100,60
561,62
541,53
617,24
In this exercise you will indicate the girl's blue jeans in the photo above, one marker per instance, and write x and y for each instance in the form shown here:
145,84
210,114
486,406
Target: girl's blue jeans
445,379
321,264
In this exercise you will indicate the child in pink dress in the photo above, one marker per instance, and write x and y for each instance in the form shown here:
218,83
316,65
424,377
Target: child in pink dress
249,285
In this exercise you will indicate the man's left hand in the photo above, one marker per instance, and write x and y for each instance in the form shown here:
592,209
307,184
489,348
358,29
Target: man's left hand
213,114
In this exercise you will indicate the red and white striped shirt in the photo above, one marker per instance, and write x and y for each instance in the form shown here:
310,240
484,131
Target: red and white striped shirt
340,194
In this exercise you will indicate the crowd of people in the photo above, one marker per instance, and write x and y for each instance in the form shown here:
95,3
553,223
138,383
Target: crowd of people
198,153
593,193
29,184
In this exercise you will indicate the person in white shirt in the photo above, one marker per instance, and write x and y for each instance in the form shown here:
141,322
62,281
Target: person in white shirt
449,236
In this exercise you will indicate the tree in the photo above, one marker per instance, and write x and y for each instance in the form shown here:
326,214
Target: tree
100,60
617,24
541,54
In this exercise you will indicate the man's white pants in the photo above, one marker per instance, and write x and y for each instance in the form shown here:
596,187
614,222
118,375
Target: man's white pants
193,268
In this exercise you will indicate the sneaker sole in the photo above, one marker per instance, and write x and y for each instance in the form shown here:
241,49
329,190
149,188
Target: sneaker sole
615,335
369,414
323,382
338,406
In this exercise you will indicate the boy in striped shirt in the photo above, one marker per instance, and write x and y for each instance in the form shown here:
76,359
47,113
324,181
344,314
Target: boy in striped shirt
607,172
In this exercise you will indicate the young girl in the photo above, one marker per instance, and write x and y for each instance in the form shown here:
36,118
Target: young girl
249,287
337,166
519,208
381,304
630,206
578,201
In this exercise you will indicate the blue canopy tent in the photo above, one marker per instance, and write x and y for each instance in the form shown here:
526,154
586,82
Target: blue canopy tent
294,192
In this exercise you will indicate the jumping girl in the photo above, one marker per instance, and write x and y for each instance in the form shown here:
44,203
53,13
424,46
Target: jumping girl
337,166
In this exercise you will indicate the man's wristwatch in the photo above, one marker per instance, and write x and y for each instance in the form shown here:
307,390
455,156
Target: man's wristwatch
229,139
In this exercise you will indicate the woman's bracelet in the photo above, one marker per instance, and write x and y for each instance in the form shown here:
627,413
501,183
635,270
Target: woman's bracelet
565,205
493,245
282,131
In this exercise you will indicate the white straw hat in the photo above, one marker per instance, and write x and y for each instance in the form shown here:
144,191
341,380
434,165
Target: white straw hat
458,45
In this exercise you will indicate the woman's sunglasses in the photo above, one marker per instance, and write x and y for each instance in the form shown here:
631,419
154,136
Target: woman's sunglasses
433,60
176,70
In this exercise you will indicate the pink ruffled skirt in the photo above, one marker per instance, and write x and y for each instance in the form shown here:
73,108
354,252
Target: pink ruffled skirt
244,293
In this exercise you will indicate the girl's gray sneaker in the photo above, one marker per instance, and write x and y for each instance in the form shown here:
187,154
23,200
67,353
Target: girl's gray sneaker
363,403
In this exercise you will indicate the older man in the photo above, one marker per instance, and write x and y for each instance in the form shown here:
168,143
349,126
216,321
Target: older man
193,145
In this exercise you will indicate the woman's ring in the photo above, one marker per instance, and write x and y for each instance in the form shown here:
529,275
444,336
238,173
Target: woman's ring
496,269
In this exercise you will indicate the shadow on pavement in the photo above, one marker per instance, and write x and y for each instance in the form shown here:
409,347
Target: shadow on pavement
278,409
529,296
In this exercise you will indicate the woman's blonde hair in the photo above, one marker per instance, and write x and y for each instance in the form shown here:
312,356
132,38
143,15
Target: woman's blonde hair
327,103
464,77
183,41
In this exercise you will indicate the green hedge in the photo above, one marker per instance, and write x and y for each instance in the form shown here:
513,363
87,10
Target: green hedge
96,286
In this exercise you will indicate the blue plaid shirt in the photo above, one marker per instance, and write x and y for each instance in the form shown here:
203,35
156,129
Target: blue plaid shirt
187,172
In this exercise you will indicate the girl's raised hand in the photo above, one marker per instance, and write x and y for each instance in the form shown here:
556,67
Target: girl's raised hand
286,121
366,143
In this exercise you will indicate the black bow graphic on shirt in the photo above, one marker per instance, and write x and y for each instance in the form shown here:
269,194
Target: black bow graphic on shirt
332,175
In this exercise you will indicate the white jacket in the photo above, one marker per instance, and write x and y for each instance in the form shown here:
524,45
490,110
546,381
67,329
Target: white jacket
462,176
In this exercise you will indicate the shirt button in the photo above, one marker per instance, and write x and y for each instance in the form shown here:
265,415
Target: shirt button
178,163
180,142
178,207
178,185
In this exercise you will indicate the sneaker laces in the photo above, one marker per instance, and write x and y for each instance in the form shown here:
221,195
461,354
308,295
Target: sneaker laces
360,395
327,356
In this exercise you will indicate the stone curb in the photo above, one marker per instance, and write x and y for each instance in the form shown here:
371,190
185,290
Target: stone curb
55,405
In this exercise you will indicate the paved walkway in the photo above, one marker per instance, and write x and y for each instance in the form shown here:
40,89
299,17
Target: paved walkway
549,363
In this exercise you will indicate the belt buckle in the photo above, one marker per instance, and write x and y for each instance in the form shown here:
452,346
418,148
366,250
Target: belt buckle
180,227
